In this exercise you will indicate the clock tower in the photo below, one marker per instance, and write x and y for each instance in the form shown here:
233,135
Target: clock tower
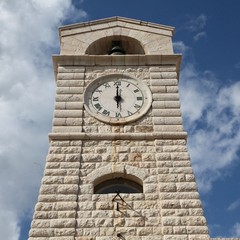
117,166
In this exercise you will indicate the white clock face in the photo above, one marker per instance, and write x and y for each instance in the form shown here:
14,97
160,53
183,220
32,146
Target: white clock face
117,99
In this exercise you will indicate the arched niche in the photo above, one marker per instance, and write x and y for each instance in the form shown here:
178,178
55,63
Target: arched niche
104,45
118,183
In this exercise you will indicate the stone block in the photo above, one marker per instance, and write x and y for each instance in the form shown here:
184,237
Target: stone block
102,222
150,188
40,224
156,97
70,83
186,187
49,189
70,69
41,232
192,203
85,223
54,172
65,75
86,189
170,204
69,98
68,113
71,180
164,82
193,221
145,231
168,75
158,89
64,231
65,206
172,89
53,180
168,187
102,214
197,230
86,206
179,230
174,237
51,165
69,90
166,112
63,223
171,221
163,156
175,148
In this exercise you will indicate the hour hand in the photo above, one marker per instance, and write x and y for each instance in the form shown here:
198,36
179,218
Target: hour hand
117,98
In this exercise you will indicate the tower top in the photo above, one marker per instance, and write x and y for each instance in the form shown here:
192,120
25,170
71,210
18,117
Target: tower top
96,37
119,21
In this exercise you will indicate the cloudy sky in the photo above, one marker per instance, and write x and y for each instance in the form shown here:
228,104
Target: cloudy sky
207,33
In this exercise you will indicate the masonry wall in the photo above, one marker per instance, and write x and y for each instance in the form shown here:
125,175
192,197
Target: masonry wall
169,205
69,114
83,150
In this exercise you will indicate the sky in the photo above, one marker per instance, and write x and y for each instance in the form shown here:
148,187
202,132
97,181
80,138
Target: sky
206,33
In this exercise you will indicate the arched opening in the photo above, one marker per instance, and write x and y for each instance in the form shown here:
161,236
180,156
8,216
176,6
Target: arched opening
118,185
103,46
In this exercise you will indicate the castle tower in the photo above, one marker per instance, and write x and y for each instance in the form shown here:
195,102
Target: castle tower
118,166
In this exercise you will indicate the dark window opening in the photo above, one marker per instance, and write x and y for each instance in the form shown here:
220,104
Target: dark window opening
115,44
120,185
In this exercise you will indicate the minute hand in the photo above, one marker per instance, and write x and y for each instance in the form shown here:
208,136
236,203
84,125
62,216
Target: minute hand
117,98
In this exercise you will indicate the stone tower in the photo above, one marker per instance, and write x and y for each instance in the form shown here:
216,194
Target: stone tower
118,166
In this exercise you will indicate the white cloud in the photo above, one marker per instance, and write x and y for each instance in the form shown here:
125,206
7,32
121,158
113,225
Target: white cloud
10,230
28,39
236,230
237,65
199,36
196,23
180,47
234,205
211,117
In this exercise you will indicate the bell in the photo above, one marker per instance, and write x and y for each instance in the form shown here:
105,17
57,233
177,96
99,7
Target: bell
116,48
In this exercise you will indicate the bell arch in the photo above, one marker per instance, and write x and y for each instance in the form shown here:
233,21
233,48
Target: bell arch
120,184
124,175
103,46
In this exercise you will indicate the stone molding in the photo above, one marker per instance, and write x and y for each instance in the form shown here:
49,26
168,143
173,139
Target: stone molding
224,238
115,22
113,170
115,136
116,60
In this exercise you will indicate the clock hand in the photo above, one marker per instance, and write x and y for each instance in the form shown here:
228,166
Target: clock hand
117,98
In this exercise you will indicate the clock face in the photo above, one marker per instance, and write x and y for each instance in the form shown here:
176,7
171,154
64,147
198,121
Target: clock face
117,99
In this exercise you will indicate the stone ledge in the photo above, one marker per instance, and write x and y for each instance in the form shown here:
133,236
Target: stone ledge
224,238
103,60
114,136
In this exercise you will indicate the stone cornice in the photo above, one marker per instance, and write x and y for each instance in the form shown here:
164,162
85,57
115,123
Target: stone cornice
121,60
119,136
115,22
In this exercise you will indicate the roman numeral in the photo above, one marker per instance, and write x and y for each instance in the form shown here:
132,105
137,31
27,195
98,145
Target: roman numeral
95,99
137,106
98,106
105,112
118,114
98,90
139,98
106,85
136,90
117,83
129,113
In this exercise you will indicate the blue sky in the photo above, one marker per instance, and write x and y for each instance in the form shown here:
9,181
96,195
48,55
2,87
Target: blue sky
207,34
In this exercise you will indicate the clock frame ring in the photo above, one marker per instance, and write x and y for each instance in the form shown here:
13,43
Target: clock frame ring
117,99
